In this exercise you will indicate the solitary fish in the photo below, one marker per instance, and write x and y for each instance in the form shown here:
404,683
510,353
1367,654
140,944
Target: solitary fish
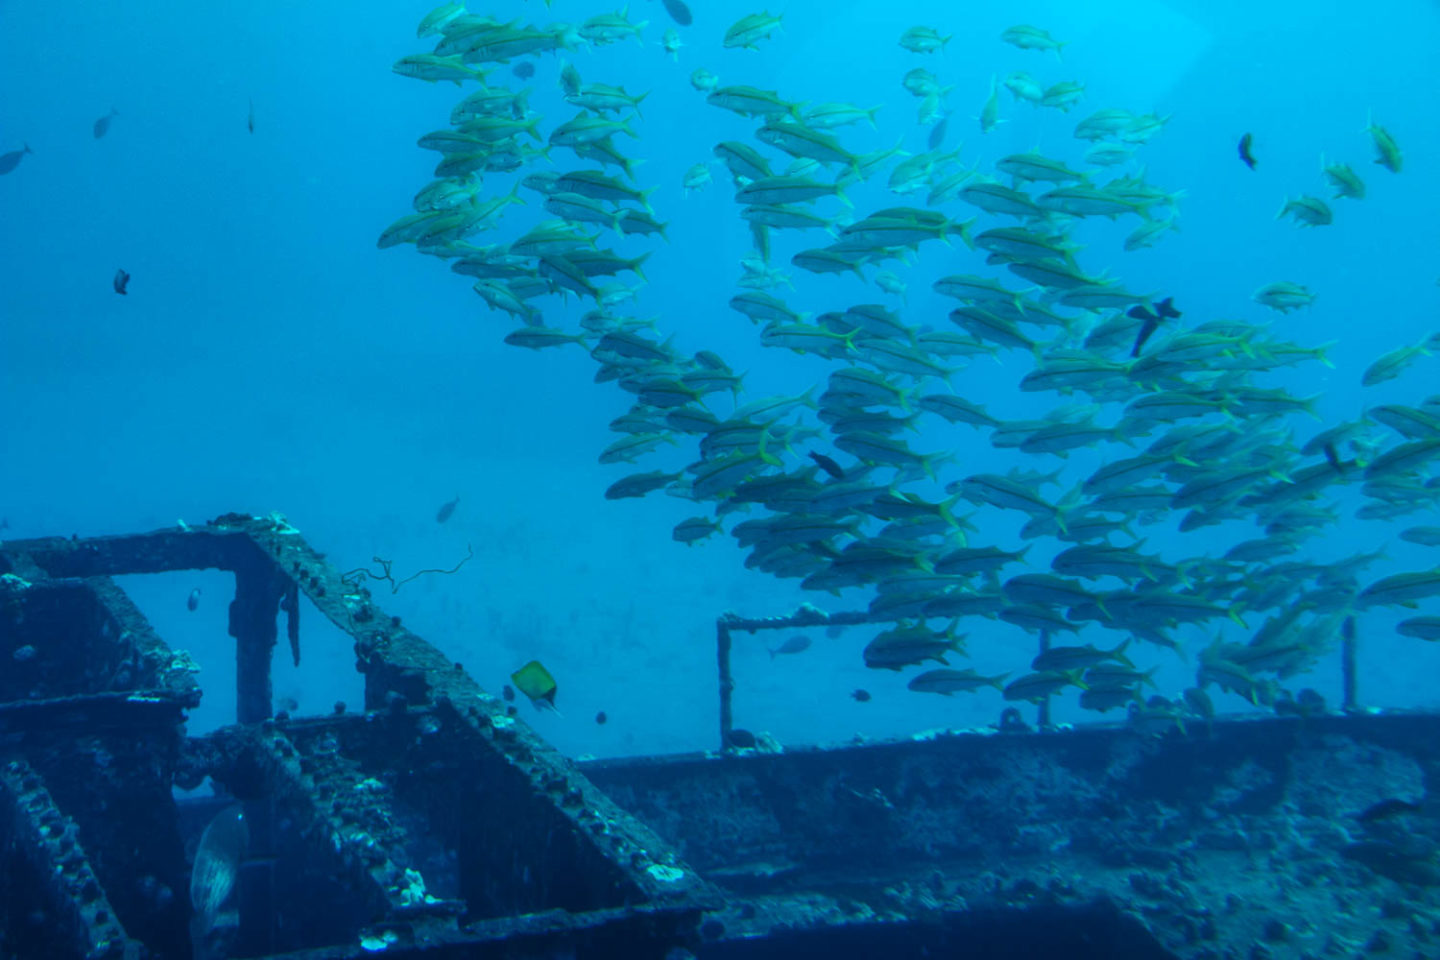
250,118
1386,809
535,682
1387,152
1164,310
214,874
524,70
192,602
749,30
1245,156
121,281
447,510
937,133
9,161
796,644
102,126
828,465
679,12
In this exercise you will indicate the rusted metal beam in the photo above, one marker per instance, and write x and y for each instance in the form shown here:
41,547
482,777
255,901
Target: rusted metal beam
83,923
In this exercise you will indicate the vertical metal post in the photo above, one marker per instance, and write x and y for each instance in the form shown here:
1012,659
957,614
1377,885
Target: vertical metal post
1350,701
258,590
727,683
1043,708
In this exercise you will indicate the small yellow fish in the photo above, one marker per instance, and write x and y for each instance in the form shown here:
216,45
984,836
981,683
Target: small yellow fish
535,682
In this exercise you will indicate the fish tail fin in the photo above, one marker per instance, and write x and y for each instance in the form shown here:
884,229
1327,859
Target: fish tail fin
636,102
635,265
764,454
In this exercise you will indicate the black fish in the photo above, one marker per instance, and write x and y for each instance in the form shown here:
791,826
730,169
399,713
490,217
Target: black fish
861,695
600,717
250,119
9,161
828,465
1245,156
1386,809
524,70
679,12
193,601
508,692
121,281
1164,310
447,510
102,126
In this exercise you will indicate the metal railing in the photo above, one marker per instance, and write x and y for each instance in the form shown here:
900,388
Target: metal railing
807,615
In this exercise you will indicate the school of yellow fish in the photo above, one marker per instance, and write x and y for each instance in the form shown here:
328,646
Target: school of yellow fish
821,485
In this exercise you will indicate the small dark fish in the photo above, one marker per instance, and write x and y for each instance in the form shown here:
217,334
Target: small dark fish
1164,310
828,465
447,510
250,119
679,12
524,70
121,281
508,692
193,601
1386,809
1245,156
102,126
9,161
937,133
796,644
4,523
1147,329
600,718
862,696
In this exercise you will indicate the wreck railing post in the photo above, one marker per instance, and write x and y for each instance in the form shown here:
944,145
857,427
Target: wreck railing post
1043,712
727,682
1349,699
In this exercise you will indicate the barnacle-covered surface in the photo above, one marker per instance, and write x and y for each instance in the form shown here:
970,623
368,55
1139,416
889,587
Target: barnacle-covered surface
1242,838
437,823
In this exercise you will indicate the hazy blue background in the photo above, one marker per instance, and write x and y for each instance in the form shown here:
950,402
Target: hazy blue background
269,357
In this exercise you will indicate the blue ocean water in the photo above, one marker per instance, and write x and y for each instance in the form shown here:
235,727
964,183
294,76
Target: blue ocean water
268,357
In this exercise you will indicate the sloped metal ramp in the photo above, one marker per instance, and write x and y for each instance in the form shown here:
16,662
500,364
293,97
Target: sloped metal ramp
436,824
